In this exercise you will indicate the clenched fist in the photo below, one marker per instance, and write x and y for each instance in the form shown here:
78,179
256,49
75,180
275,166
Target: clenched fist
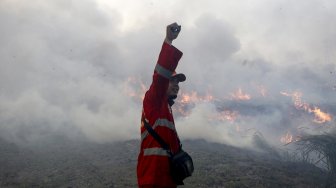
172,32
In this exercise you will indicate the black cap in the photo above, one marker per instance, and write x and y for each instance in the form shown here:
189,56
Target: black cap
180,77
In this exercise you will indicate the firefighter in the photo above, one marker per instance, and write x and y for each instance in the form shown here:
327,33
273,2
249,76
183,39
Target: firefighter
153,169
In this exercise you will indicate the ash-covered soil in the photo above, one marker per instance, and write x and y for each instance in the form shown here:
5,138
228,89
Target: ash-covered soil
60,162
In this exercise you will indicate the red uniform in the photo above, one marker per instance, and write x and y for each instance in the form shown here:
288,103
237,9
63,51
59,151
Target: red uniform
153,162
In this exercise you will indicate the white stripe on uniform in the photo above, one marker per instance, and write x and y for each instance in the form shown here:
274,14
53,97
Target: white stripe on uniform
155,151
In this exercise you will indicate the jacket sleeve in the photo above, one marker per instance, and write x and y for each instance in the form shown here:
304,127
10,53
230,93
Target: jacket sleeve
165,67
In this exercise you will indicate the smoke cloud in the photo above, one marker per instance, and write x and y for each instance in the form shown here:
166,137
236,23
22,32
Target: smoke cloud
79,68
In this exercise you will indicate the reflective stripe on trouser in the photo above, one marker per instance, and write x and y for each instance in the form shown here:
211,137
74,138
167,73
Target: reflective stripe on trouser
155,151
163,71
159,122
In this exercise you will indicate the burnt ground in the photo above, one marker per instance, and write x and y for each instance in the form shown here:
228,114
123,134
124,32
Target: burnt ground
60,162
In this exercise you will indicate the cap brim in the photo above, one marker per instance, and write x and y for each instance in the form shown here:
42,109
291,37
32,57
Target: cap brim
179,77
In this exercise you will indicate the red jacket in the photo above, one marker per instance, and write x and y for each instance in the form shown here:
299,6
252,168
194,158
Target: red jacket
153,162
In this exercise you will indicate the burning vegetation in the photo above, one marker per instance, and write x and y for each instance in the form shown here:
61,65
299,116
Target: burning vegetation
240,95
238,106
320,116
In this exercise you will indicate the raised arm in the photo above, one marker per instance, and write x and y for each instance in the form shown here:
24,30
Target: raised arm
165,67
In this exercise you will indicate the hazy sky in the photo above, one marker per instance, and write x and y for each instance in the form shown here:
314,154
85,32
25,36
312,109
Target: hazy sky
74,66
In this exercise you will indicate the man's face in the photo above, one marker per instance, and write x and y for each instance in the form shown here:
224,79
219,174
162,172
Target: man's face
173,88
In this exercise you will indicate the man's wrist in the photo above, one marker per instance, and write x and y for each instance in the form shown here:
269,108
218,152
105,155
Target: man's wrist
168,41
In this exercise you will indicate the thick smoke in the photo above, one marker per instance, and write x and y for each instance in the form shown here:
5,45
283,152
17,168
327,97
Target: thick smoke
62,71
68,67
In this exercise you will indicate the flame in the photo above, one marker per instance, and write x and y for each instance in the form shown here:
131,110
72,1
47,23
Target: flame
239,95
187,100
194,97
285,94
320,116
287,138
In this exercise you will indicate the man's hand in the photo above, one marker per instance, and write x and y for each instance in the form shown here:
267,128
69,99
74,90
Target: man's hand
172,32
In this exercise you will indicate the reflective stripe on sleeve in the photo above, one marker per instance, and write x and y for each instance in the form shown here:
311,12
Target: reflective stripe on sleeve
163,71
155,151
159,122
